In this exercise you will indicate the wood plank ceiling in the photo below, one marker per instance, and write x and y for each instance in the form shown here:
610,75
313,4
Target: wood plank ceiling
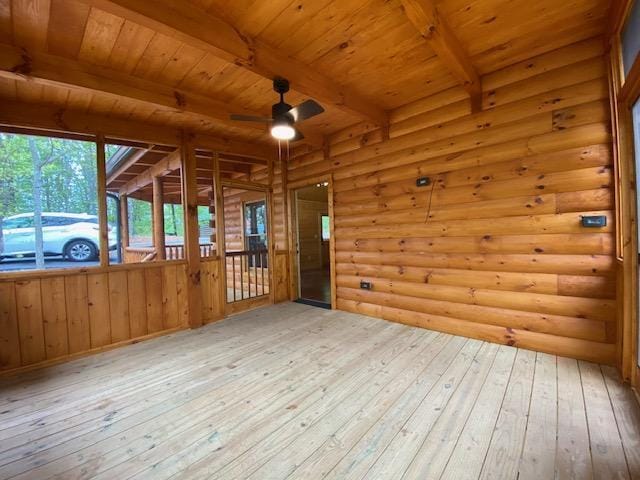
369,48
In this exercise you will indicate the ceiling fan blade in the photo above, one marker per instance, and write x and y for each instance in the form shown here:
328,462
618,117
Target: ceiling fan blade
298,136
250,118
307,109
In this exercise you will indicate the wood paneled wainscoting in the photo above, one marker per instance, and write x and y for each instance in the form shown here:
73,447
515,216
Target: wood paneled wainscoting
46,316
493,246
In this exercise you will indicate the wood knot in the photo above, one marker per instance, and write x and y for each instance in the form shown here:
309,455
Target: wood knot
25,67
181,99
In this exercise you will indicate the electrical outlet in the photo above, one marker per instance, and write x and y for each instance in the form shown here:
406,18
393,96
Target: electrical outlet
594,221
366,285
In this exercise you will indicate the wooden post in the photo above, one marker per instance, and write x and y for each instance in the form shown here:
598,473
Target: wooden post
220,238
158,219
102,202
219,207
191,233
332,244
271,260
124,220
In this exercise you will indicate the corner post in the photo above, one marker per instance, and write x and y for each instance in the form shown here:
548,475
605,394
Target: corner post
158,219
102,201
191,231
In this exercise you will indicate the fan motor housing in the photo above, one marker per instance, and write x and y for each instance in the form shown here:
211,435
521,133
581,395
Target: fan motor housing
280,109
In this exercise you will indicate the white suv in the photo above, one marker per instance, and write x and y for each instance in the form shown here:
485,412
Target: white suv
75,236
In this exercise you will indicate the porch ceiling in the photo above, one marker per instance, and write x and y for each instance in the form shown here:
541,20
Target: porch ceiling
357,57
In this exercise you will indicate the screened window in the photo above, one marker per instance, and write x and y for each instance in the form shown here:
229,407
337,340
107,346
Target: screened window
48,203
325,226
631,38
255,229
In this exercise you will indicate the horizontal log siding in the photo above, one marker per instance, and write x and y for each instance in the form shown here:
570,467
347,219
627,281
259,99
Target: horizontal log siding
493,248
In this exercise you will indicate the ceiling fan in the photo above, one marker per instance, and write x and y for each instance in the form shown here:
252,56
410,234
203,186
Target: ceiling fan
283,115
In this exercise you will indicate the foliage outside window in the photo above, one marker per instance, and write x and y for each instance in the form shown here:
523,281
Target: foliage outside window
325,226
48,203
630,38
140,223
207,247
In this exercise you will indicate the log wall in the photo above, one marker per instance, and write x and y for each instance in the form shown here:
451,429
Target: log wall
313,251
234,201
493,247
51,316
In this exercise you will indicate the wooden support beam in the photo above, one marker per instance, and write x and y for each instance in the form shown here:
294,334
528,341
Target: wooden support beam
218,206
191,230
231,167
132,160
198,28
158,218
46,69
102,201
170,163
124,220
618,12
244,185
52,120
630,90
434,29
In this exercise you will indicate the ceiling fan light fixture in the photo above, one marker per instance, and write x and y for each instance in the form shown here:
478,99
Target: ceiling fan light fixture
282,130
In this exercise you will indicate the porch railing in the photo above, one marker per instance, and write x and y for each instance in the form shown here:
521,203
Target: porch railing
172,252
139,254
176,252
247,274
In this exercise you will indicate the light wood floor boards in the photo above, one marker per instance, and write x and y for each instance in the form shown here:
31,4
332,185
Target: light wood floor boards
291,391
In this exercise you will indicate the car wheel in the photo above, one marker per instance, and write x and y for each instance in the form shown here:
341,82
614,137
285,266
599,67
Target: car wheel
81,251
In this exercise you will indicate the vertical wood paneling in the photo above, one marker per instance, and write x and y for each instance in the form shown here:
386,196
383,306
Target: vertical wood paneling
29,308
208,284
119,306
98,295
54,317
77,313
9,334
170,318
181,290
153,286
137,297
213,305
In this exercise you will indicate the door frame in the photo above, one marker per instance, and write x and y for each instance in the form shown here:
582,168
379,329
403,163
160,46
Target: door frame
292,221
624,91
255,302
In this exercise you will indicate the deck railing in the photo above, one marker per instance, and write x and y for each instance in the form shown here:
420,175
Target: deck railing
247,274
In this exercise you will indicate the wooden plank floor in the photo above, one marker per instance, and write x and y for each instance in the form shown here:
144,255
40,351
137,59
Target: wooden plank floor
291,391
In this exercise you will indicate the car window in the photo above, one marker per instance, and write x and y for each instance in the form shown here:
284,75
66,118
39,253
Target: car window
6,224
22,222
48,221
67,220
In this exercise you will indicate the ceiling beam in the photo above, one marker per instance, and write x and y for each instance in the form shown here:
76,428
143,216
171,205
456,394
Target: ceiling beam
194,26
128,163
52,120
424,15
164,167
45,69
